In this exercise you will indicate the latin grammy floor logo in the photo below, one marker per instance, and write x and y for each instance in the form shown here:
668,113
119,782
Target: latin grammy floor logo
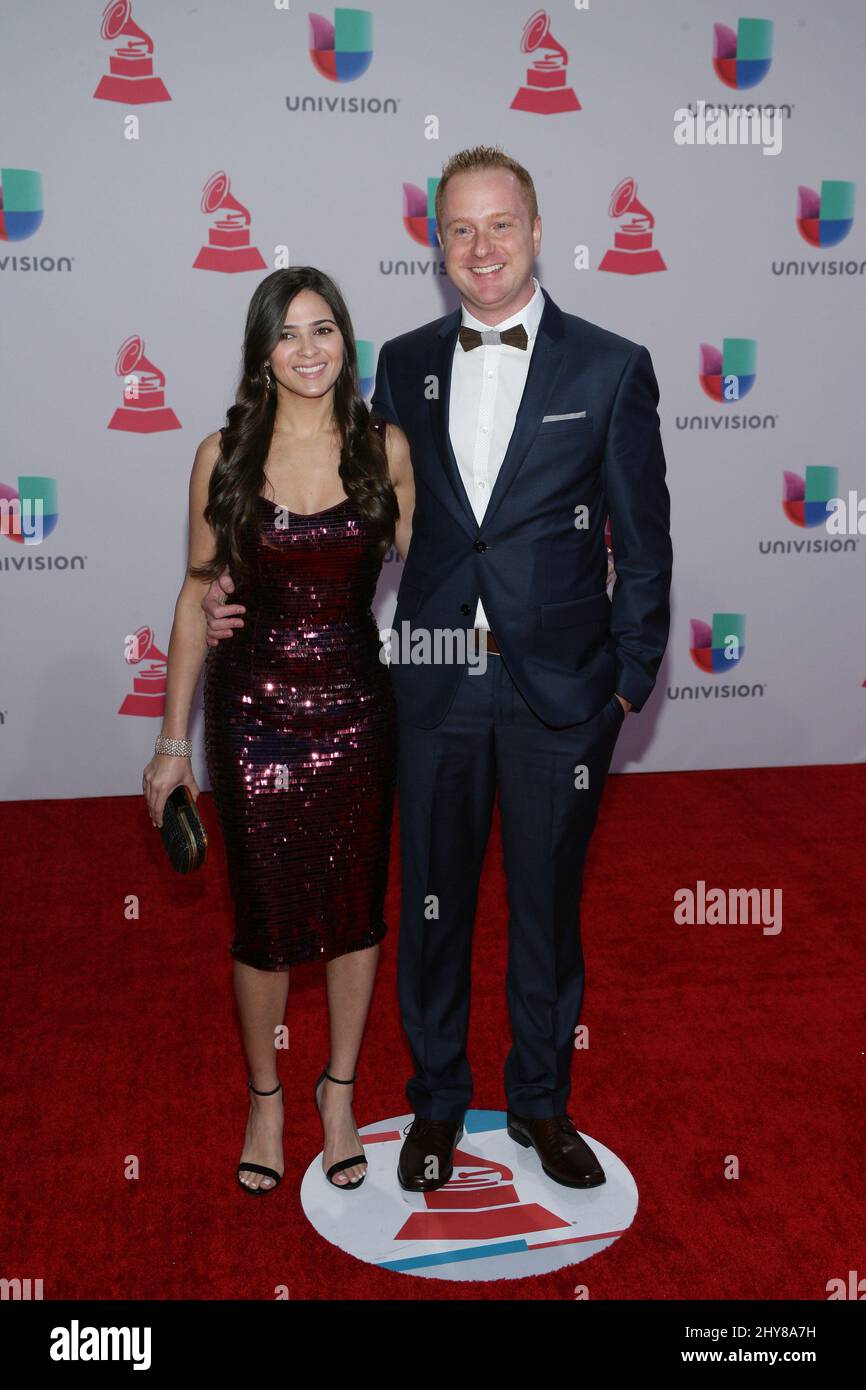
499,1217
144,410
545,91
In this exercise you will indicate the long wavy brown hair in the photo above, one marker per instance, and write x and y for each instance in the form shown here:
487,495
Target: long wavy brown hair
238,475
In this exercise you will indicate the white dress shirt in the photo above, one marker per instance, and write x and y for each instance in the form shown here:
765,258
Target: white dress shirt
486,386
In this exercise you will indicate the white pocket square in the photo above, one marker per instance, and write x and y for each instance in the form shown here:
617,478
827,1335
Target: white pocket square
573,415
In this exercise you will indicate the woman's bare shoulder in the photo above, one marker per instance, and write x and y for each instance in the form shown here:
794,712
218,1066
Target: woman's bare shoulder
211,444
208,451
203,464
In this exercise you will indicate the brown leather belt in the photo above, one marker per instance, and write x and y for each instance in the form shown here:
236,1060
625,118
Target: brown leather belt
486,639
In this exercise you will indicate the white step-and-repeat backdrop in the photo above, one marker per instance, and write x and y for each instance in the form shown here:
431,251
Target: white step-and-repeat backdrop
696,175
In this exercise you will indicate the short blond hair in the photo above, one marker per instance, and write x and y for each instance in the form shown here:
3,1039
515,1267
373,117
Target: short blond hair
485,157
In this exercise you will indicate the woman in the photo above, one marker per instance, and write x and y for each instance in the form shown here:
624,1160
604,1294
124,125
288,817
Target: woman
300,498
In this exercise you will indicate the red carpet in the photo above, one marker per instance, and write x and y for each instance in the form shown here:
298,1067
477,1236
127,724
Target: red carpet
706,1041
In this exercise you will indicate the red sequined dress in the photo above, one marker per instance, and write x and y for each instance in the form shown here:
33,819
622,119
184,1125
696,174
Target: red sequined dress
300,737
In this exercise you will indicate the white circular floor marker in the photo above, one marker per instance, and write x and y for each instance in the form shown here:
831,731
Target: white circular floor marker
498,1218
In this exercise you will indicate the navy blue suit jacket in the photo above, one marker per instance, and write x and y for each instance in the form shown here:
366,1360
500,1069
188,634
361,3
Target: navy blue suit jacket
541,578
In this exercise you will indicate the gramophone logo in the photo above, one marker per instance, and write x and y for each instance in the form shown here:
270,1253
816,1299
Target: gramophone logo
343,50
718,647
730,374
481,1202
131,77
806,501
743,59
228,249
144,410
632,252
827,219
545,91
498,1217
21,207
366,353
419,212
30,514
148,686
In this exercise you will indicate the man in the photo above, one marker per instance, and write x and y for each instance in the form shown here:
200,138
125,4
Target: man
527,427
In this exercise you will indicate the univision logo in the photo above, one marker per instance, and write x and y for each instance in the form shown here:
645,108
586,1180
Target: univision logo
718,646
21,212
366,354
341,52
27,517
715,648
419,219
727,375
743,59
30,514
824,219
730,374
21,206
419,212
806,503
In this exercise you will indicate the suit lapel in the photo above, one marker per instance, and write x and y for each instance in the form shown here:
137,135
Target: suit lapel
443,356
545,365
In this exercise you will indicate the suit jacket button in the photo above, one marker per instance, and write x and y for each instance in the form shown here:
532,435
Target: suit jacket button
480,546
465,609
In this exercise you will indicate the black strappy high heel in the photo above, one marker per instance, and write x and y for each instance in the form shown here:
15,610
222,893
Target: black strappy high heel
344,1162
257,1167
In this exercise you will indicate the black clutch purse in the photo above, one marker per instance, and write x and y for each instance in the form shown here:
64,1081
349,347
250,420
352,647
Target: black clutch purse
183,834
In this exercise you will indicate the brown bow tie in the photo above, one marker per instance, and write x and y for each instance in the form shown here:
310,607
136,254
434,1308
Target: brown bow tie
472,337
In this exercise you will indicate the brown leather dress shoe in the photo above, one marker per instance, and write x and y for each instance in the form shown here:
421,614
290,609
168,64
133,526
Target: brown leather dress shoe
565,1157
426,1156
